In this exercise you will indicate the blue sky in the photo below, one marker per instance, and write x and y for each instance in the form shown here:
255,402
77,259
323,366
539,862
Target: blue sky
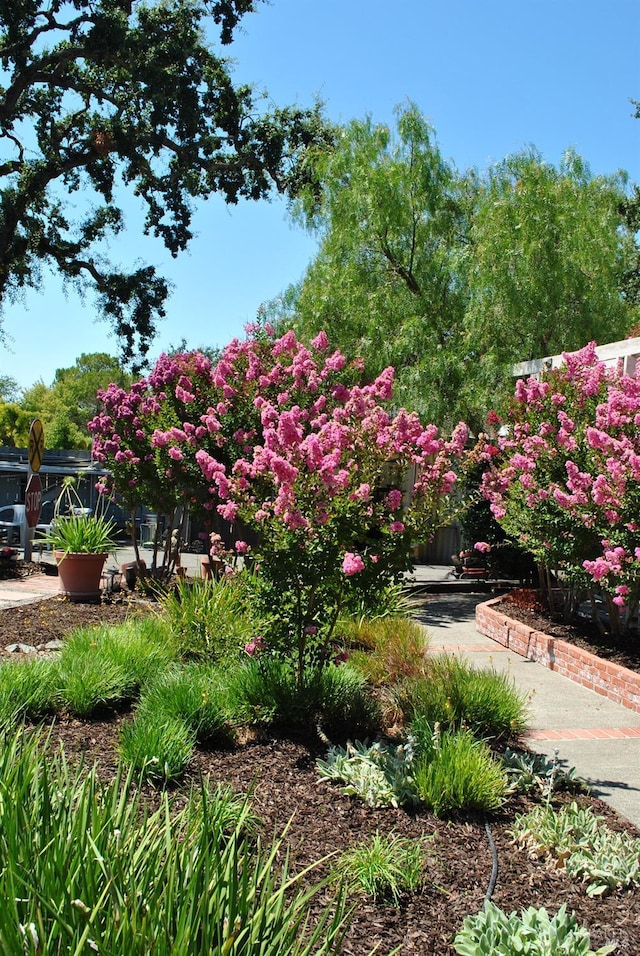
491,77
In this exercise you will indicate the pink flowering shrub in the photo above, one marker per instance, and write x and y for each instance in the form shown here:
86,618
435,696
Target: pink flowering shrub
286,444
566,478
335,486
146,439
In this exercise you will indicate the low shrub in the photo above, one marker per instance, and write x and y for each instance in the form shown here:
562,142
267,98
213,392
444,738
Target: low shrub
533,932
379,774
454,695
385,868
454,771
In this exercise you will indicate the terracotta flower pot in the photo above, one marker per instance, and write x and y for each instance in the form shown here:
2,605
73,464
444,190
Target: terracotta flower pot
79,575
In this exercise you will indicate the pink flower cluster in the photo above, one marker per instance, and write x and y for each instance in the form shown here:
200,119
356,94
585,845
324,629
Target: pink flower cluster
285,439
567,476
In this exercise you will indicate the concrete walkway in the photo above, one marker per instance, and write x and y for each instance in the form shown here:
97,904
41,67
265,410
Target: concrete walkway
38,586
599,738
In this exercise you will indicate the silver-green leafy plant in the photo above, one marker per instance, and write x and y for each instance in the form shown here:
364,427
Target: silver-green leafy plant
492,932
578,839
383,868
536,773
380,774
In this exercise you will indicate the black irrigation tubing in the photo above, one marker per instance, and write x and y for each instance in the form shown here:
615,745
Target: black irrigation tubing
494,864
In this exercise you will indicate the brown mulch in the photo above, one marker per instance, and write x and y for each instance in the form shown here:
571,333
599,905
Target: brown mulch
524,605
281,777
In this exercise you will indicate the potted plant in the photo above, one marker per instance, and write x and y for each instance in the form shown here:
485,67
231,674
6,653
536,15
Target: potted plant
81,542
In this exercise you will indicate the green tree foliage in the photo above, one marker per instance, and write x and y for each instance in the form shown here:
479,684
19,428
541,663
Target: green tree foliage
9,389
66,407
546,264
454,278
14,425
385,285
630,209
100,97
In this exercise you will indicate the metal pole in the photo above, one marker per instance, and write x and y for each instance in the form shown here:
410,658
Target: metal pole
28,532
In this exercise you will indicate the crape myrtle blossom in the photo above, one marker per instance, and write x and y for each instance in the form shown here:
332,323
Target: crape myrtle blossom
324,476
566,477
286,439
146,437
352,563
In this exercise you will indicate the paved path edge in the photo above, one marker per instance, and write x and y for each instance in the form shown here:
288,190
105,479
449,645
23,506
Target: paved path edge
610,680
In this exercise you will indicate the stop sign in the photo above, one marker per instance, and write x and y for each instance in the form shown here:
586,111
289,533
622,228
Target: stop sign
33,500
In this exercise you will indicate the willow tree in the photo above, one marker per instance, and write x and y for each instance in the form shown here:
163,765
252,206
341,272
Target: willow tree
546,264
385,284
453,278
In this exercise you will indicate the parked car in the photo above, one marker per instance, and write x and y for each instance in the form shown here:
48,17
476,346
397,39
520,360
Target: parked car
13,526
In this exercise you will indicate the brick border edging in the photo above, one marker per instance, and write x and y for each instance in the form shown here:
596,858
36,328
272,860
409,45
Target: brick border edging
610,680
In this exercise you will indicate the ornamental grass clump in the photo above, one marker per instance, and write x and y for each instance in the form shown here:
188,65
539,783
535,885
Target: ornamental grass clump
90,685
455,695
74,531
385,868
91,867
210,620
105,667
386,650
82,534
443,772
196,694
453,771
336,699
157,746
27,690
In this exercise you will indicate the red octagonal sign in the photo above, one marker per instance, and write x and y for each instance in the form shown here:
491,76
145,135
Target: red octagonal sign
33,500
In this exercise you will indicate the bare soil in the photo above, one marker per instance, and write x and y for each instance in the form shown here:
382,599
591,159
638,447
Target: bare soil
281,777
